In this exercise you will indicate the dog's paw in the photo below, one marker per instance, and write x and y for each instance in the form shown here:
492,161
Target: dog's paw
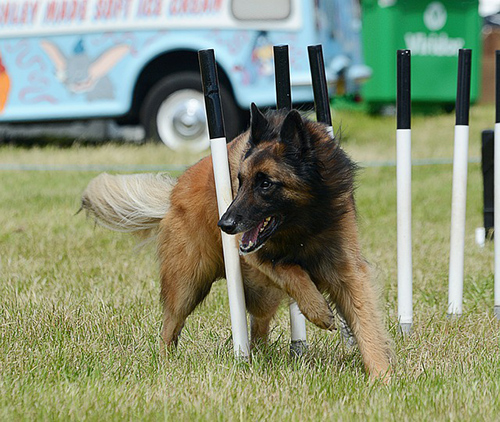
324,319
330,323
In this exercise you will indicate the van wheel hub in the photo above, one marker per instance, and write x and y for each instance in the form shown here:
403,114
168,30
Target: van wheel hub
181,121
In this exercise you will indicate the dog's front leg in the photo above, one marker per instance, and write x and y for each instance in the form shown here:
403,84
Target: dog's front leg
356,299
299,286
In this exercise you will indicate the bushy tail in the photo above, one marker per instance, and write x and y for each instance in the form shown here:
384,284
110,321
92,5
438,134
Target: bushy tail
128,203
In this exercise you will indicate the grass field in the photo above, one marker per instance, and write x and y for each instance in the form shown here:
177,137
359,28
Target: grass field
80,313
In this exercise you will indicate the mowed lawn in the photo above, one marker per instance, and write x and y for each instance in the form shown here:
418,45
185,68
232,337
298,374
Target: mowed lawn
80,315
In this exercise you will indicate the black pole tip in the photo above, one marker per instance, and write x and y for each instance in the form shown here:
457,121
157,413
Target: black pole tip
320,85
463,87
497,86
210,84
282,77
403,99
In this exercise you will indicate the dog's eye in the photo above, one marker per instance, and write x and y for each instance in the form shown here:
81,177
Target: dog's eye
266,184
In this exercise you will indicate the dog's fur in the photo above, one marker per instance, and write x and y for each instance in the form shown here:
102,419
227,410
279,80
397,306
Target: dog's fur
294,214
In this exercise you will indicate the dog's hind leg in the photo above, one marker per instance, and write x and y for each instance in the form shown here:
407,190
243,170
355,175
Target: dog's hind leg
187,272
357,301
259,330
181,292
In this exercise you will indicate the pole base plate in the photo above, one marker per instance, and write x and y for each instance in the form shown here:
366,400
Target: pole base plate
298,348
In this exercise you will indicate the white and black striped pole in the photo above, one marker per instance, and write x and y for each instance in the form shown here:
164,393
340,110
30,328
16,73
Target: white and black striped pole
298,333
403,181
496,184
223,188
459,192
324,115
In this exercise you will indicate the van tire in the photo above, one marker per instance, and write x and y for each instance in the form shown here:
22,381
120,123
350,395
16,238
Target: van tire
173,113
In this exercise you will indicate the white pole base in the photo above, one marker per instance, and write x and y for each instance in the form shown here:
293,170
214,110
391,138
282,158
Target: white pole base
404,243
298,345
405,328
496,217
458,208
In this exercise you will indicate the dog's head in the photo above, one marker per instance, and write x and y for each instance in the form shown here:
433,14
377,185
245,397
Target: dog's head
274,178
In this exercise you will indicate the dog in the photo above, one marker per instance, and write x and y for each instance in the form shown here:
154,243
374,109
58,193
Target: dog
295,218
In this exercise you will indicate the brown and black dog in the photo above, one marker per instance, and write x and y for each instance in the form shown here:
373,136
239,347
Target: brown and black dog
295,216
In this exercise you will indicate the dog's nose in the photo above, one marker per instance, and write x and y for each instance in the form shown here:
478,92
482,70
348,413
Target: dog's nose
227,225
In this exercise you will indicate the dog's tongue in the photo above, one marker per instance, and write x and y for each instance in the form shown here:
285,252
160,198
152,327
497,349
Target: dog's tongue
251,235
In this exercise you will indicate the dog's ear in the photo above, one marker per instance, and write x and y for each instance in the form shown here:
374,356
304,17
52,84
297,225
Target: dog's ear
258,124
293,133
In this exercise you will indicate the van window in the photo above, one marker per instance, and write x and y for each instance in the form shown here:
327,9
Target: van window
257,10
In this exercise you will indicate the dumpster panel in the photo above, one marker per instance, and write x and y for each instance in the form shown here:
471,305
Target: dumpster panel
434,31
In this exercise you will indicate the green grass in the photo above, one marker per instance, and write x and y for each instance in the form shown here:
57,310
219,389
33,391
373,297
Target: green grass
80,313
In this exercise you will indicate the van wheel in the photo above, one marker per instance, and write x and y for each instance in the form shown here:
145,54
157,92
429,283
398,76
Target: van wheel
173,112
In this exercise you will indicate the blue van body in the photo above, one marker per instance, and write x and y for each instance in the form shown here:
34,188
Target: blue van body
86,59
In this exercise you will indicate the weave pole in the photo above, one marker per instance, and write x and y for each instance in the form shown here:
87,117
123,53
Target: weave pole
459,192
223,189
320,86
403,176
496,184
324,115
298,333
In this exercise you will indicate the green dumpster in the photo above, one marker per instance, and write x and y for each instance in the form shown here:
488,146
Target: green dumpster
434,31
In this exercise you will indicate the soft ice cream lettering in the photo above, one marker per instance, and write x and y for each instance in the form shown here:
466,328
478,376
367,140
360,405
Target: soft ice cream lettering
112,9
149,8
194,7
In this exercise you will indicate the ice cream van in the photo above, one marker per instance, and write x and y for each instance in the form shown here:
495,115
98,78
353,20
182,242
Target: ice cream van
135,61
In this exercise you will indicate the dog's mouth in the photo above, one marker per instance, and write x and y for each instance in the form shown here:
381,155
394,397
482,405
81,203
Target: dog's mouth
255,238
